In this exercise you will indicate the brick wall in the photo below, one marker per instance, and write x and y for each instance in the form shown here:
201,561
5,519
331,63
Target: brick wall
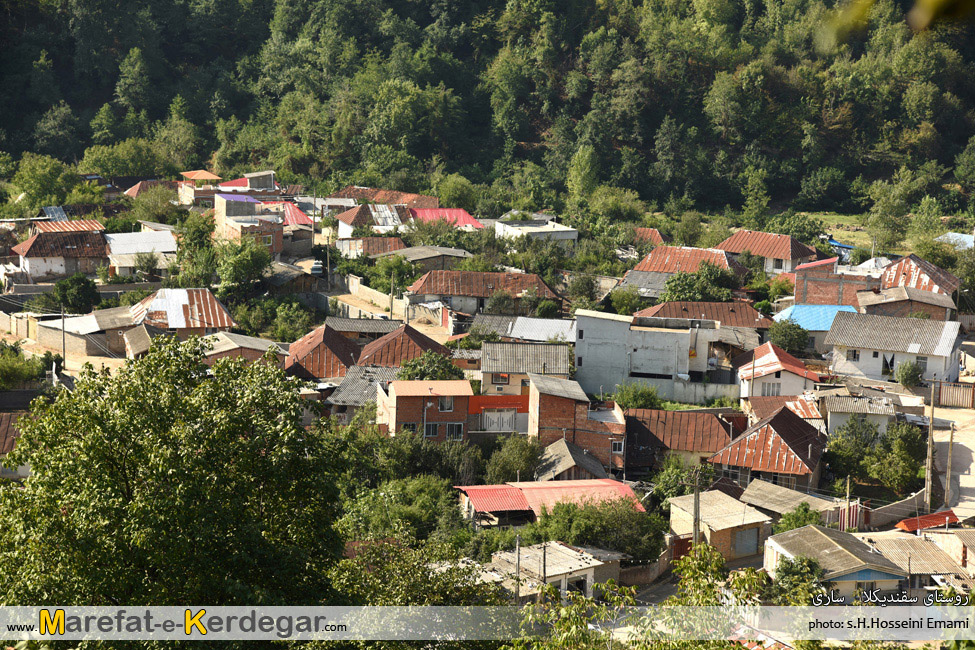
550,418
410,410
820,286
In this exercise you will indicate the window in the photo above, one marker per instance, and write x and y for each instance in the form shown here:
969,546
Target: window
455,431
875,354
811,343
776,264
578,362
499,378
446,404
580,336
771,388
864,587
778,374
409,427
617,446
922,364
852,355
889,365
525,383
268,240
430,430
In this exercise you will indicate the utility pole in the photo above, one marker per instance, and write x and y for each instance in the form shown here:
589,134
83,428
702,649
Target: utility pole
951,444
328,268
64,353
392,286
697,507
929,463
847,502
517,568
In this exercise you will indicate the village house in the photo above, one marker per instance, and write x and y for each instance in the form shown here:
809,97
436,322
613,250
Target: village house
904,302
240,217
67,225
840,409
735,529
651,274
652,434
850,564
198,188
398,347
505,367
815,319
913,272
777,500
456,217
357,389
363,330
824,283
139,339
781,253
526,329
469,291
519,503
782,449
124,250
428,258
567,568
541,230
50,255
227,345
927,565
379,218
558,409
322,353
390,197
651,235
368,246
741,325
436,409
565,461
770,371
681,357
873,347
286,280
184,312
805,405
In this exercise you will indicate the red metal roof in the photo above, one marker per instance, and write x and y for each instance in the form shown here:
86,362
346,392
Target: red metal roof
182,309
398,347
783,443
478,403
320,351
495,498
809,265
459,218
683,259
651,235
923,522
479,284
143,186
803,406
237,182
677,430
729,314
293,216
377,245
391,197
769,358
72,225
912,271
547,494
766,244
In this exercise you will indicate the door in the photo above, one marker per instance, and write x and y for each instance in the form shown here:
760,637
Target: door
746,542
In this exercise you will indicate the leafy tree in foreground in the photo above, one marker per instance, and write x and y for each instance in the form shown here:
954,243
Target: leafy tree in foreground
430,366
210,492
77,294
788,335
801,516
516,459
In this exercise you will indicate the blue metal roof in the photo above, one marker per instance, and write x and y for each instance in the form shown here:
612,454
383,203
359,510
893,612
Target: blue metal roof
814,318
960,240
836,244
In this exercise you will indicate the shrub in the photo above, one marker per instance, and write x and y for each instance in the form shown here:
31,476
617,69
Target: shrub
908,374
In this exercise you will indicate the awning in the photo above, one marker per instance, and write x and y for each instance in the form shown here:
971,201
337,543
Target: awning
923,522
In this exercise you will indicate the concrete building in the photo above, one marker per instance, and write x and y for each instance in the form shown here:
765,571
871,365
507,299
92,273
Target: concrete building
735,529
873,347
770,371
469,291
428,258
840,409
567,568
678,356
541,230
240,217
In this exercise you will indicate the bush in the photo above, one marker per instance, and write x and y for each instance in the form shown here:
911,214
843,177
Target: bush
764,306
908,374
637,396
789,335
625,300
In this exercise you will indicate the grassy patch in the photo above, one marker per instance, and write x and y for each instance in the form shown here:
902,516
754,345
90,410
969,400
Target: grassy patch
849,229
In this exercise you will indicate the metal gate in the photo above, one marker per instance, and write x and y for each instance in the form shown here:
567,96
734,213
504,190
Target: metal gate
500,420
962,395
682,546
746,542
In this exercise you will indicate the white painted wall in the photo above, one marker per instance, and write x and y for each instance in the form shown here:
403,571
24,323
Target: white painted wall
789,384
945,368
836,420
39,267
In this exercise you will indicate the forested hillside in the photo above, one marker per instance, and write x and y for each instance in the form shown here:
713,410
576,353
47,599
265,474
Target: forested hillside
537,103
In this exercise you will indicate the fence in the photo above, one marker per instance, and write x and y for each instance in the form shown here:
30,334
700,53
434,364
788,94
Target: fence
955,394
894,512
381,300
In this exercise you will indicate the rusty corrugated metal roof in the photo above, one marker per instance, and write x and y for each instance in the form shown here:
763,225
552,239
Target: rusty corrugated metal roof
71,225
729,314
398,347
479,284
684,259
912,271
81,244
391,197
676,430
182,309
783,443
767,244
